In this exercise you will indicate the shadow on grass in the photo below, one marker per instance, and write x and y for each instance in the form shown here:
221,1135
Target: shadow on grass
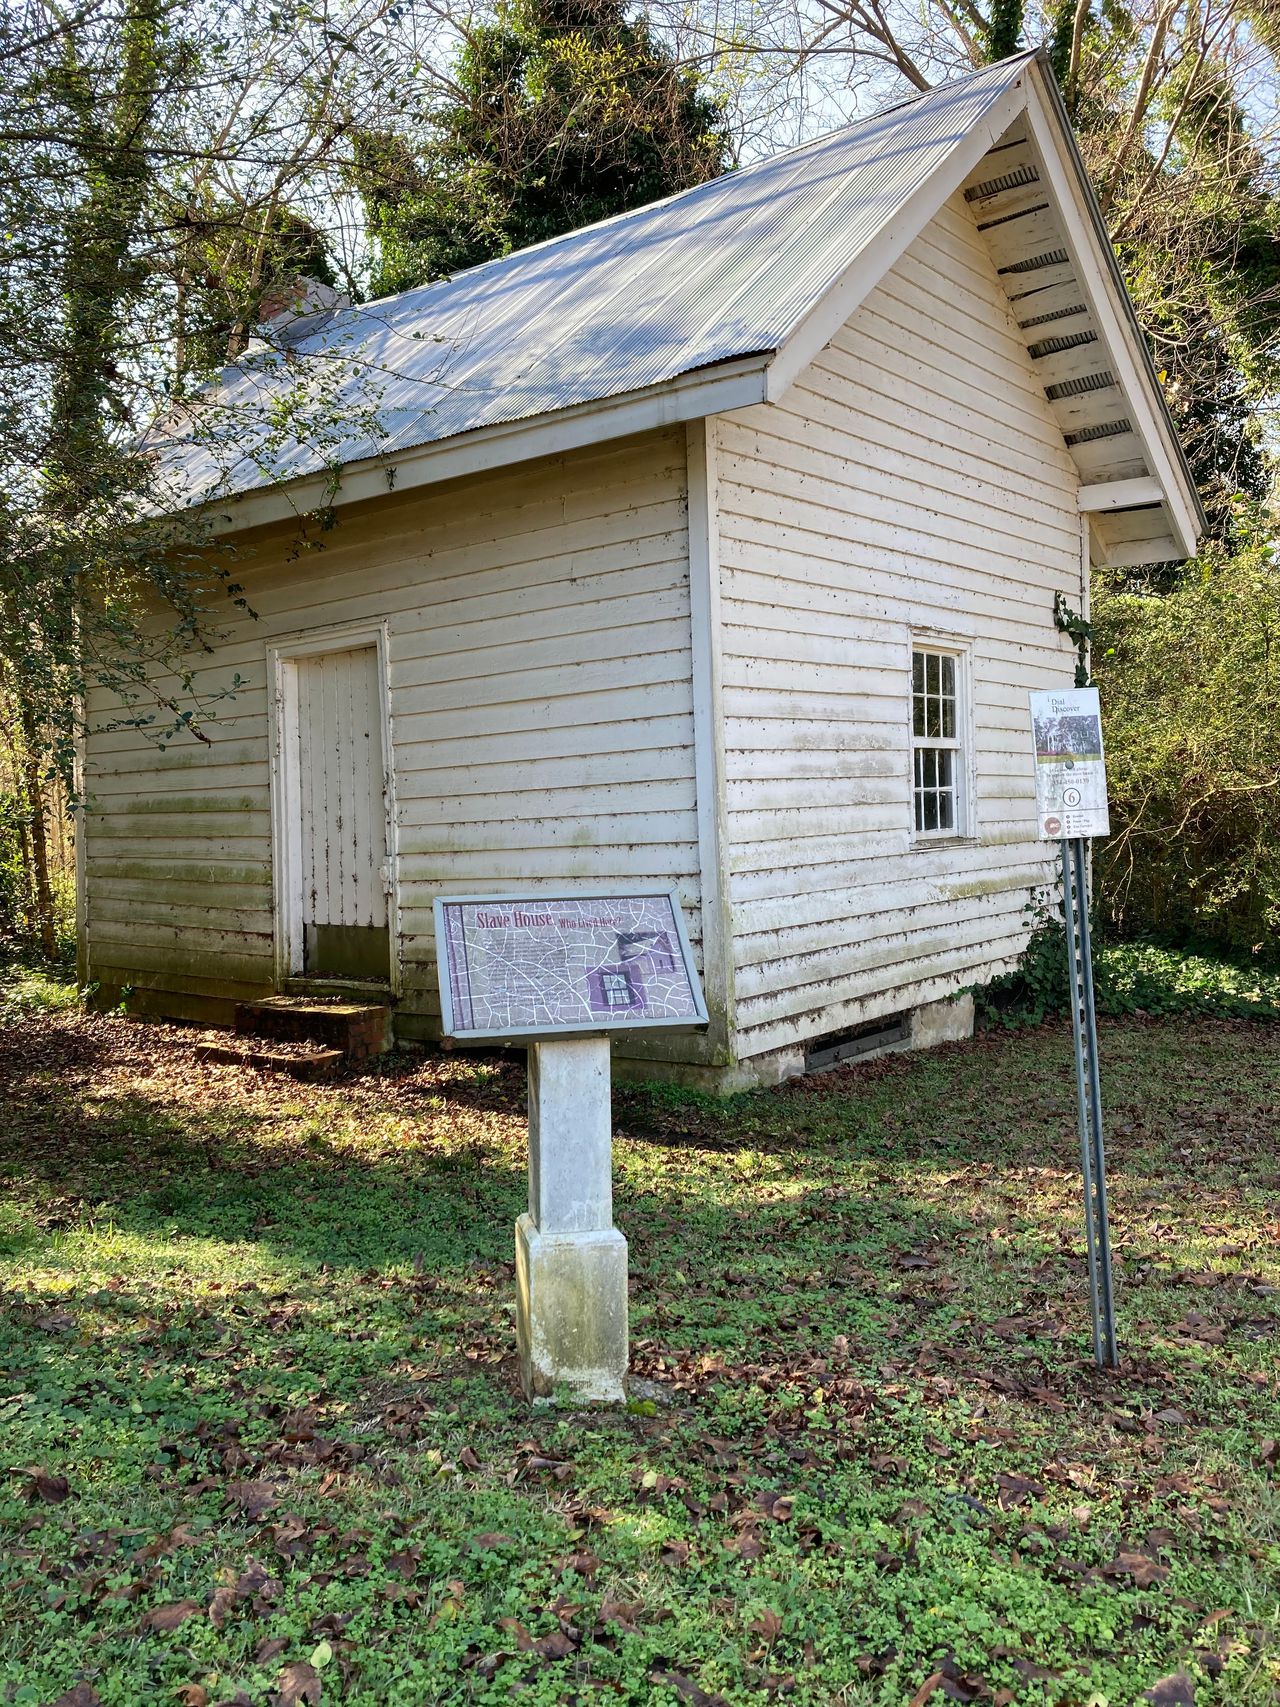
420,1157
415,1167
419,1163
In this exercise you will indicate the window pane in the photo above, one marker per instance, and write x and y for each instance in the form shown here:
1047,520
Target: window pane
936,771
948,698
946,791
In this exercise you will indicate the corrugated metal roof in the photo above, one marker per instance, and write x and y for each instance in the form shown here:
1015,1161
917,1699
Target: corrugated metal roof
724,270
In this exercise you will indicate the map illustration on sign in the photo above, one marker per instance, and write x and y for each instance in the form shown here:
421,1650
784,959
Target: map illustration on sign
1071,773
535,966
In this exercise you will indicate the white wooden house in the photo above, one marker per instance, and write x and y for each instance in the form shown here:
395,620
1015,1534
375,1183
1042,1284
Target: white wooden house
715,545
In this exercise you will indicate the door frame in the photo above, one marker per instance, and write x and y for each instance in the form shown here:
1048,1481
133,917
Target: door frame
283,656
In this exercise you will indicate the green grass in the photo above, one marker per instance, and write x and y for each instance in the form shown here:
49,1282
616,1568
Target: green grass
263,1439
34,989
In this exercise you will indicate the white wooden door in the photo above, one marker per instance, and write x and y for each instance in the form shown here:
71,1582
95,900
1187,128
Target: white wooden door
341,800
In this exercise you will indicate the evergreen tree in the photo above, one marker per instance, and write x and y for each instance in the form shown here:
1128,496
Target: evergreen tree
567,111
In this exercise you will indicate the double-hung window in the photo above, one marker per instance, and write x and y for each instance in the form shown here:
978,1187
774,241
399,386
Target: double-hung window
937,754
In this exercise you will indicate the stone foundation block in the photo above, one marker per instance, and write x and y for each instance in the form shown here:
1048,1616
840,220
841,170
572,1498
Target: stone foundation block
942,1022
571,1312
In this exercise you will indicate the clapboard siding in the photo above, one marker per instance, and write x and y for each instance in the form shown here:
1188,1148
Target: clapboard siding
913,479
541,710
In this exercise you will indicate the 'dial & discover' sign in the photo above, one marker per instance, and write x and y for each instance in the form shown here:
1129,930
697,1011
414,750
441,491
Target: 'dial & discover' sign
1071,774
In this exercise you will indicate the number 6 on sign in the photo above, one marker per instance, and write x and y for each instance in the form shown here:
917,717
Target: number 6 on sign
1071,775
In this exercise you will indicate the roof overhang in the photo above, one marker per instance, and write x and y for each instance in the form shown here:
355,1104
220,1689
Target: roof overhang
708,391
1098,272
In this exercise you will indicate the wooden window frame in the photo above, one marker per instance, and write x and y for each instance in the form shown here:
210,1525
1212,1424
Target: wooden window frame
961,744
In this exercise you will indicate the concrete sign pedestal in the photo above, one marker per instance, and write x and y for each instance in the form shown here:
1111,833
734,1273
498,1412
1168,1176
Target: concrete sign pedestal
571,1261
561,973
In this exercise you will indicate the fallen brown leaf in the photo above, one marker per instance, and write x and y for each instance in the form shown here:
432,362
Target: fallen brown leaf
515,1629
776,1506
1035,1673
623,1613
49,1490
1176,1690
298,1684
163,1619
1143,1569
56,1322
252,1498
926,1689
1014,1490
223,1602
768,1626
557,1646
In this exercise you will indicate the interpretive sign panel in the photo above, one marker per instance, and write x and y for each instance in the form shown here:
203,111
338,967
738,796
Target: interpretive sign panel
1071,775
545,965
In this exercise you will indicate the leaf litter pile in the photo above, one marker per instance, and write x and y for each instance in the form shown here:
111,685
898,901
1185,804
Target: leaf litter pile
263,1441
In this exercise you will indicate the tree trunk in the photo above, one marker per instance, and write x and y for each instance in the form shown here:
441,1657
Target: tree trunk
26,901
45,922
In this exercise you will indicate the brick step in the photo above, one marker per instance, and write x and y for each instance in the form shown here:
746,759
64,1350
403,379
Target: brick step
356,1030
299,1062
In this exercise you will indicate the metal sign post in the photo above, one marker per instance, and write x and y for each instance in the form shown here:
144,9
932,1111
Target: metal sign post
1071,805
1093,1158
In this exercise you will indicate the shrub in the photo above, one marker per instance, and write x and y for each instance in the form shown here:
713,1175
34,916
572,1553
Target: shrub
1190,684
1128,978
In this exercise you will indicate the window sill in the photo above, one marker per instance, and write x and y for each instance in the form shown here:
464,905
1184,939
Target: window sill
926,844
